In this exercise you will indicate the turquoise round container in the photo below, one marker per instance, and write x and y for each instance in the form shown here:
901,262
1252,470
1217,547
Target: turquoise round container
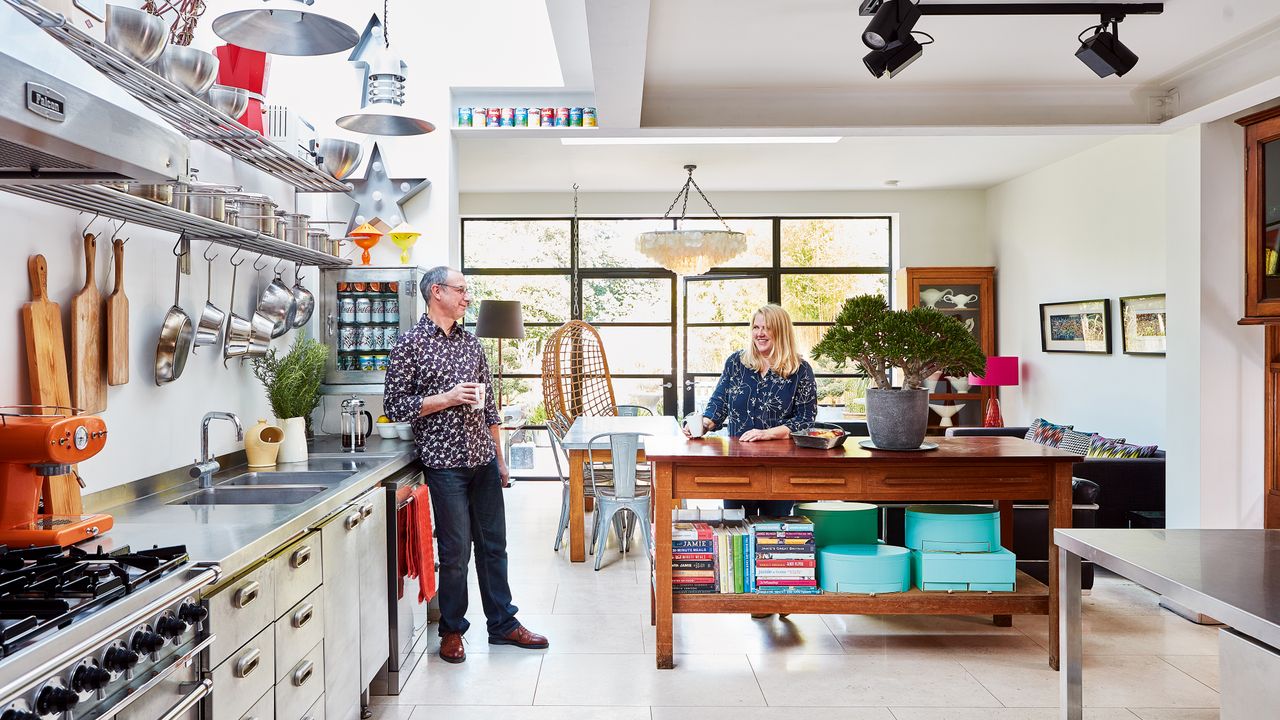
874,568
841,523
952,528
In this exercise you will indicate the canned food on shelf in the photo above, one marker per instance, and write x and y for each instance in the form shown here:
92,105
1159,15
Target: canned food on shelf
478,116
522,117
508,117
493,117
589,117
562,117
548,117
464,117
575,117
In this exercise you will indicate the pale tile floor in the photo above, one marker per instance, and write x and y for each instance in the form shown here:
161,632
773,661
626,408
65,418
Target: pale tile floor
1141,661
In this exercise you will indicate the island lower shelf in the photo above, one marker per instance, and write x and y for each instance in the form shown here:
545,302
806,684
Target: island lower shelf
1030,598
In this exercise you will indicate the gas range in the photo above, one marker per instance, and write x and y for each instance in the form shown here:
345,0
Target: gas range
86,634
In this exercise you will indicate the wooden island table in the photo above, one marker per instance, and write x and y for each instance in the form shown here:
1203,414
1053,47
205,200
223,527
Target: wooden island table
971,469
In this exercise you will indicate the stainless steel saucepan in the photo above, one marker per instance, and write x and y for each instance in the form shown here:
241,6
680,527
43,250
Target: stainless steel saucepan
306,301
175,334
236,341
278,305
211,318
260,326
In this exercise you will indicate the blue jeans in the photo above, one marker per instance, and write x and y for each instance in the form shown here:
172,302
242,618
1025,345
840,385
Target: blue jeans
469,510
768,508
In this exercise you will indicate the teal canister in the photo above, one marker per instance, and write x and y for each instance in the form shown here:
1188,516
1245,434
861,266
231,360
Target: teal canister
868,569
952,528
841,523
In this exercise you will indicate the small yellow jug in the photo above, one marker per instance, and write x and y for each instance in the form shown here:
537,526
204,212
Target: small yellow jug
262,444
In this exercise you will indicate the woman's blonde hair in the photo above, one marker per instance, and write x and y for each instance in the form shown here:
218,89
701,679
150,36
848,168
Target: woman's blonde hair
783,359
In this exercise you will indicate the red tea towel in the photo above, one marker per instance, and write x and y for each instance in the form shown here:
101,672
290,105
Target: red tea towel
413,539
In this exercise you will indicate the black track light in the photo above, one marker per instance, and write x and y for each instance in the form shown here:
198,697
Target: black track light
893,21
1103,52
892,59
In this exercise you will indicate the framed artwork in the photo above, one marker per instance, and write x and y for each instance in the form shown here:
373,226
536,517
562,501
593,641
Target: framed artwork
1142,319
1083,326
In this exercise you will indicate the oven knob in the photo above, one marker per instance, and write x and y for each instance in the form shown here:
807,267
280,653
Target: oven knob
146,642
53,700
119,659
170,627
89,677
15,714
193,613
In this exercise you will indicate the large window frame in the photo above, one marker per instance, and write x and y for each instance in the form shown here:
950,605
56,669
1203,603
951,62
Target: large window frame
774,273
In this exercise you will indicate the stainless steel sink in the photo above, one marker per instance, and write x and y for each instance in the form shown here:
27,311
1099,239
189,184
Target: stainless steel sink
261,495
300,477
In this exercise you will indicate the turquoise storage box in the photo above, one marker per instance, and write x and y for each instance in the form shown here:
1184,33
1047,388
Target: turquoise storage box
841,523
952,528
864,568
990,572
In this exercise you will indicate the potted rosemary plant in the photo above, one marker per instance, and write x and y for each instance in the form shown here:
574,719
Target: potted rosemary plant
918,342
292,382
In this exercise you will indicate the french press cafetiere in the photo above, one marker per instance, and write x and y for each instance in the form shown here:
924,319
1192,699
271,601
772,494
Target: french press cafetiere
353,430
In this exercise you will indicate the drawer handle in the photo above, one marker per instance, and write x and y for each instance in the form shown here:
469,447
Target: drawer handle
353,520
300,557
715,480
366,509
303,616
817,481
246,594
248,663
303,673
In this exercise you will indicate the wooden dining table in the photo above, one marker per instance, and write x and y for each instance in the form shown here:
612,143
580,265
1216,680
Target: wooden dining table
577,445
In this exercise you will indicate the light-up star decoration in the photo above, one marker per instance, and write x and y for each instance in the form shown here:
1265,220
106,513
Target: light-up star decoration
378,195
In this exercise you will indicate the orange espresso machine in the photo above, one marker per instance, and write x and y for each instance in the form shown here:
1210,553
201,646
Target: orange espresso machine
34,446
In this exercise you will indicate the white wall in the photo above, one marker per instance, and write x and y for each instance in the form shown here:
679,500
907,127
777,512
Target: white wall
933,227
1091,226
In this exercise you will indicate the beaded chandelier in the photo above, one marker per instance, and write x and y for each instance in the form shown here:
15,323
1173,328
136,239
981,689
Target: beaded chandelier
691,252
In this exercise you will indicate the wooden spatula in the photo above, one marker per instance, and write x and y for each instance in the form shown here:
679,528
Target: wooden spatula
118,324
88,371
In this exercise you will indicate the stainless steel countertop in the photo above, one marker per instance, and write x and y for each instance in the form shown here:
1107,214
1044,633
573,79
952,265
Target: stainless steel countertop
1230,575
235,536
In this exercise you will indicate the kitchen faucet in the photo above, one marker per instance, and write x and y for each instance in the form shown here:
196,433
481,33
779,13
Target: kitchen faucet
206,466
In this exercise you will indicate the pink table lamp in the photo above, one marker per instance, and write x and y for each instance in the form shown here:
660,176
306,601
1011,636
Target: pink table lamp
1002,371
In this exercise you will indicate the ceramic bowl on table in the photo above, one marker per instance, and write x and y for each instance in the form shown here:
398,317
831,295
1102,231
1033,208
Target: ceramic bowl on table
387,430
404,431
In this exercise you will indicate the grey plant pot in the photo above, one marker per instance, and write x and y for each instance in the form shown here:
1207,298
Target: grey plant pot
897,419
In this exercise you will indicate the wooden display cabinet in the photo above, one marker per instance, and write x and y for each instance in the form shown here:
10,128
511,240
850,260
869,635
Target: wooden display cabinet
967,293
1262,216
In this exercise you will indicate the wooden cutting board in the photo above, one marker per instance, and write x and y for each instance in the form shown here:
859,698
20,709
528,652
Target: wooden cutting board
88,369
118,324
47,368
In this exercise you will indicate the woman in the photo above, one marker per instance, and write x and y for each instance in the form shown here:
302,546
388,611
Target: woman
765,392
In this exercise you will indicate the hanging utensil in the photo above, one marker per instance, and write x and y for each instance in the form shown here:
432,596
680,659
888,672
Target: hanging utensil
175,333
260,325
118,322
211,318
306,301
278,305
88,365
236,341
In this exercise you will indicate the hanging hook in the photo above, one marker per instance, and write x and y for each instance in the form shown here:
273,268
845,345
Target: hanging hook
233,257
117,231
255,263
207,248
85,231
276,269
176,252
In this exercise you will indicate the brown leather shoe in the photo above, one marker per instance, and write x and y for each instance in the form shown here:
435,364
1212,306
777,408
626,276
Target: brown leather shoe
521,637
451,650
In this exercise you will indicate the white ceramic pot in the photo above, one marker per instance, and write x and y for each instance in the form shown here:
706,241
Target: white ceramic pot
294,447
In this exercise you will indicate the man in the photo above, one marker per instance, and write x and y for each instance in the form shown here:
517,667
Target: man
437,375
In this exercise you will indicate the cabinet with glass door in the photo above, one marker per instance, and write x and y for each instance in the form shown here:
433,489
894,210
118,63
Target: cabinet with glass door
969,295
1262,216
365,310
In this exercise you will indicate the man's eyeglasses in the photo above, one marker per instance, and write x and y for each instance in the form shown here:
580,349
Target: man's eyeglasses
466,292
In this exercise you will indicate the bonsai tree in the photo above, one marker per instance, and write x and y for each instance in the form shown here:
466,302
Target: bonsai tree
920,341
292,381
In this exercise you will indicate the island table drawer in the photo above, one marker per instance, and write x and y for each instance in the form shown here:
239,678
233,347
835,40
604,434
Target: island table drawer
816,482
972,481
718,482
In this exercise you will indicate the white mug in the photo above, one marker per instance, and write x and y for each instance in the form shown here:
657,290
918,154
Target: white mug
960,301
479,403
695,424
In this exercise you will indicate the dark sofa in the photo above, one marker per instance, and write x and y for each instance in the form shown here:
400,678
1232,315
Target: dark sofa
1103,492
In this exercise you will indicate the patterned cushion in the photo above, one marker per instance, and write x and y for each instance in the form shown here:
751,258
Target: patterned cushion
1075,441
1100,447
1046,433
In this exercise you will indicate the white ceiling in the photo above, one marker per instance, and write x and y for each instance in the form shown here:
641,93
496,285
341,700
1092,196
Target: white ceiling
494,164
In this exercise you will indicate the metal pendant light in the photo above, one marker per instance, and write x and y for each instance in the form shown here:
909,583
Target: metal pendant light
691,252
383,111
285,27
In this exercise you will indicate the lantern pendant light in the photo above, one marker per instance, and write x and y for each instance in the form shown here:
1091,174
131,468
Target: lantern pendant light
691,252
284,27
383,111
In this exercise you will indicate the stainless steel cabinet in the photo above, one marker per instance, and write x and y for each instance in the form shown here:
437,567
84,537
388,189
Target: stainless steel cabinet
374,620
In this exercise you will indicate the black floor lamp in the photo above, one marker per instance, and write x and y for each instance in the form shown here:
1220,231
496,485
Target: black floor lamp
501,320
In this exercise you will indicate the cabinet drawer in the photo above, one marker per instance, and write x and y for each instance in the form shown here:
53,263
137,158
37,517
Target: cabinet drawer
297,631
815,482
316,711
994,482
716,482
264,709
244,677
301,686
297,572
240,610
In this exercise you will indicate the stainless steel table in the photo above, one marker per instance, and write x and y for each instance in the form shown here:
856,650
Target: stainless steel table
576,443
1231,575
